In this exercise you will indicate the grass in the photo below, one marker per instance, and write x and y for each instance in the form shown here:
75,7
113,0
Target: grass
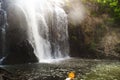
103,72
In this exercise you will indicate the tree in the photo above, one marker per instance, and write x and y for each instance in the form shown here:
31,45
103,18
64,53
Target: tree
113,8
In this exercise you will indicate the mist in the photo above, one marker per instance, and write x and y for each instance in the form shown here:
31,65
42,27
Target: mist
76,11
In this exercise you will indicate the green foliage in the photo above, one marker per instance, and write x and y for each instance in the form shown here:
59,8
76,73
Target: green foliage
92,47
112,7
104,72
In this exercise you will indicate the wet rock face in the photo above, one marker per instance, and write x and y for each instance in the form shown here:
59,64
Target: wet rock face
1,17
1,24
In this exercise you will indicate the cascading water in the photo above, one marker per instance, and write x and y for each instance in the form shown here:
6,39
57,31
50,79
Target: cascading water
47,27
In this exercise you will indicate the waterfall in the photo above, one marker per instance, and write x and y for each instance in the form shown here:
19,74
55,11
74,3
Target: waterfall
47,26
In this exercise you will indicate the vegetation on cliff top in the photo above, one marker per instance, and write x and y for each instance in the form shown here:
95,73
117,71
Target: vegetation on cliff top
98,34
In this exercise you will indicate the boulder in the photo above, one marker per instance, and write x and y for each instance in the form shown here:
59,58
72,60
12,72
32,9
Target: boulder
21,53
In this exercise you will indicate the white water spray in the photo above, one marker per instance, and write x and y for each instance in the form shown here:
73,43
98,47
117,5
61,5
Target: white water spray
47,27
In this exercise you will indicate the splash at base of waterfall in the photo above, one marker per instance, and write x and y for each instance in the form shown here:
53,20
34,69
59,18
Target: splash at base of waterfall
47,28
54,60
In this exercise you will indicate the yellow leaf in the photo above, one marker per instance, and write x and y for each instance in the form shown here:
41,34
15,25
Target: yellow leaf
71,75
